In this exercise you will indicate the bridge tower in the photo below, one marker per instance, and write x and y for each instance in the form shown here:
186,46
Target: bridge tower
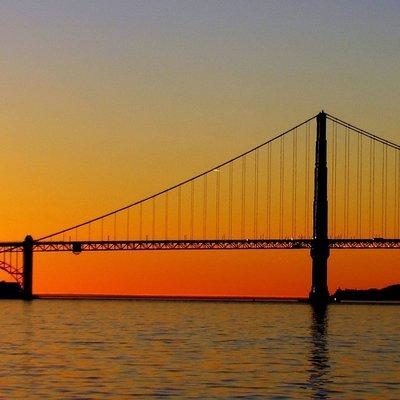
320,248
27,267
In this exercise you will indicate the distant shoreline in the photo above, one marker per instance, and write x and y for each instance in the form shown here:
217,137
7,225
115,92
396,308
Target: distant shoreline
211,299
169,298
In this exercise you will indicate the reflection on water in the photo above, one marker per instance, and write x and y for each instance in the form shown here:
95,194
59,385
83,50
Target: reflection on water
151,349
319,356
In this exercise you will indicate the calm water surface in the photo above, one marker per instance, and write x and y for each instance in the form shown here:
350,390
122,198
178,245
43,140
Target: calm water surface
152,349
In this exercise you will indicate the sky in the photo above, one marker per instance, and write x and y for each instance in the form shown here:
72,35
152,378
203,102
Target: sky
105,102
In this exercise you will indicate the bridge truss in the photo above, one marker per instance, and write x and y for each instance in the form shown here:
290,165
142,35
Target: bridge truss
220,244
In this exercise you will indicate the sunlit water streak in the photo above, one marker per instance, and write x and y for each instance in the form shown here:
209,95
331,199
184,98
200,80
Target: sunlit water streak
152,349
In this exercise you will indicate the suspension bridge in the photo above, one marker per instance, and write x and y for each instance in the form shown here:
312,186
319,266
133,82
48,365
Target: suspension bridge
324,184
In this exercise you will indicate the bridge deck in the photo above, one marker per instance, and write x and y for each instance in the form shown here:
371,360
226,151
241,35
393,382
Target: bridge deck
233,244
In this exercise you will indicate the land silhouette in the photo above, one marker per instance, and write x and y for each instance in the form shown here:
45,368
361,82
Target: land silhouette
388,293
12,290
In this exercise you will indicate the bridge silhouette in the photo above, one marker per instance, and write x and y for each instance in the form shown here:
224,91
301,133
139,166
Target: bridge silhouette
323,184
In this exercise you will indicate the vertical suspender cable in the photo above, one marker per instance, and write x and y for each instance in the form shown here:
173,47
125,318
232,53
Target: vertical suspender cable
115,226
331,173
386,187
373,191
396,183
230,200
281,189
205,207
347,181
358,184
153,230
384,205
268,191
348,225
360,226
383,192
370,190
348,184
255,213
294,183
191,209
398,193
179,211
140,221
334,198
166,215
217,202
127,223
243,215
345,184
307,183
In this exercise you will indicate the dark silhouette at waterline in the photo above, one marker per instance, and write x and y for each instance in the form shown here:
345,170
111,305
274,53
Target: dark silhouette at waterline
389,293
10,290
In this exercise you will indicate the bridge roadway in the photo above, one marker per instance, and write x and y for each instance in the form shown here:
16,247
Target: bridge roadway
216,244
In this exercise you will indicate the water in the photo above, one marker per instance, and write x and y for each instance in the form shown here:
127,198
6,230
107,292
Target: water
97,349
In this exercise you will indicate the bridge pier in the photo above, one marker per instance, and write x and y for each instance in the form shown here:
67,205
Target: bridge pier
319,293
27,268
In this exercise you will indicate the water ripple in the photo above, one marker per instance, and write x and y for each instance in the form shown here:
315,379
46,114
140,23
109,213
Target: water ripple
123,349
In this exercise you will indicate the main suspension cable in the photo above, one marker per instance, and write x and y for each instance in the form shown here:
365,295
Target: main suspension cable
177,185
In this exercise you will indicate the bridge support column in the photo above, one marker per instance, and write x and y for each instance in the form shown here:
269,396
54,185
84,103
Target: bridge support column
27,268
319,293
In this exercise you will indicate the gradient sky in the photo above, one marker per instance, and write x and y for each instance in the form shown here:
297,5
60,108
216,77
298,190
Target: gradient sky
104,102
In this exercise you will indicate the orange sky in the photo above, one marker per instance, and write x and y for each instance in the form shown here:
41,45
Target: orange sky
236,273
103,105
